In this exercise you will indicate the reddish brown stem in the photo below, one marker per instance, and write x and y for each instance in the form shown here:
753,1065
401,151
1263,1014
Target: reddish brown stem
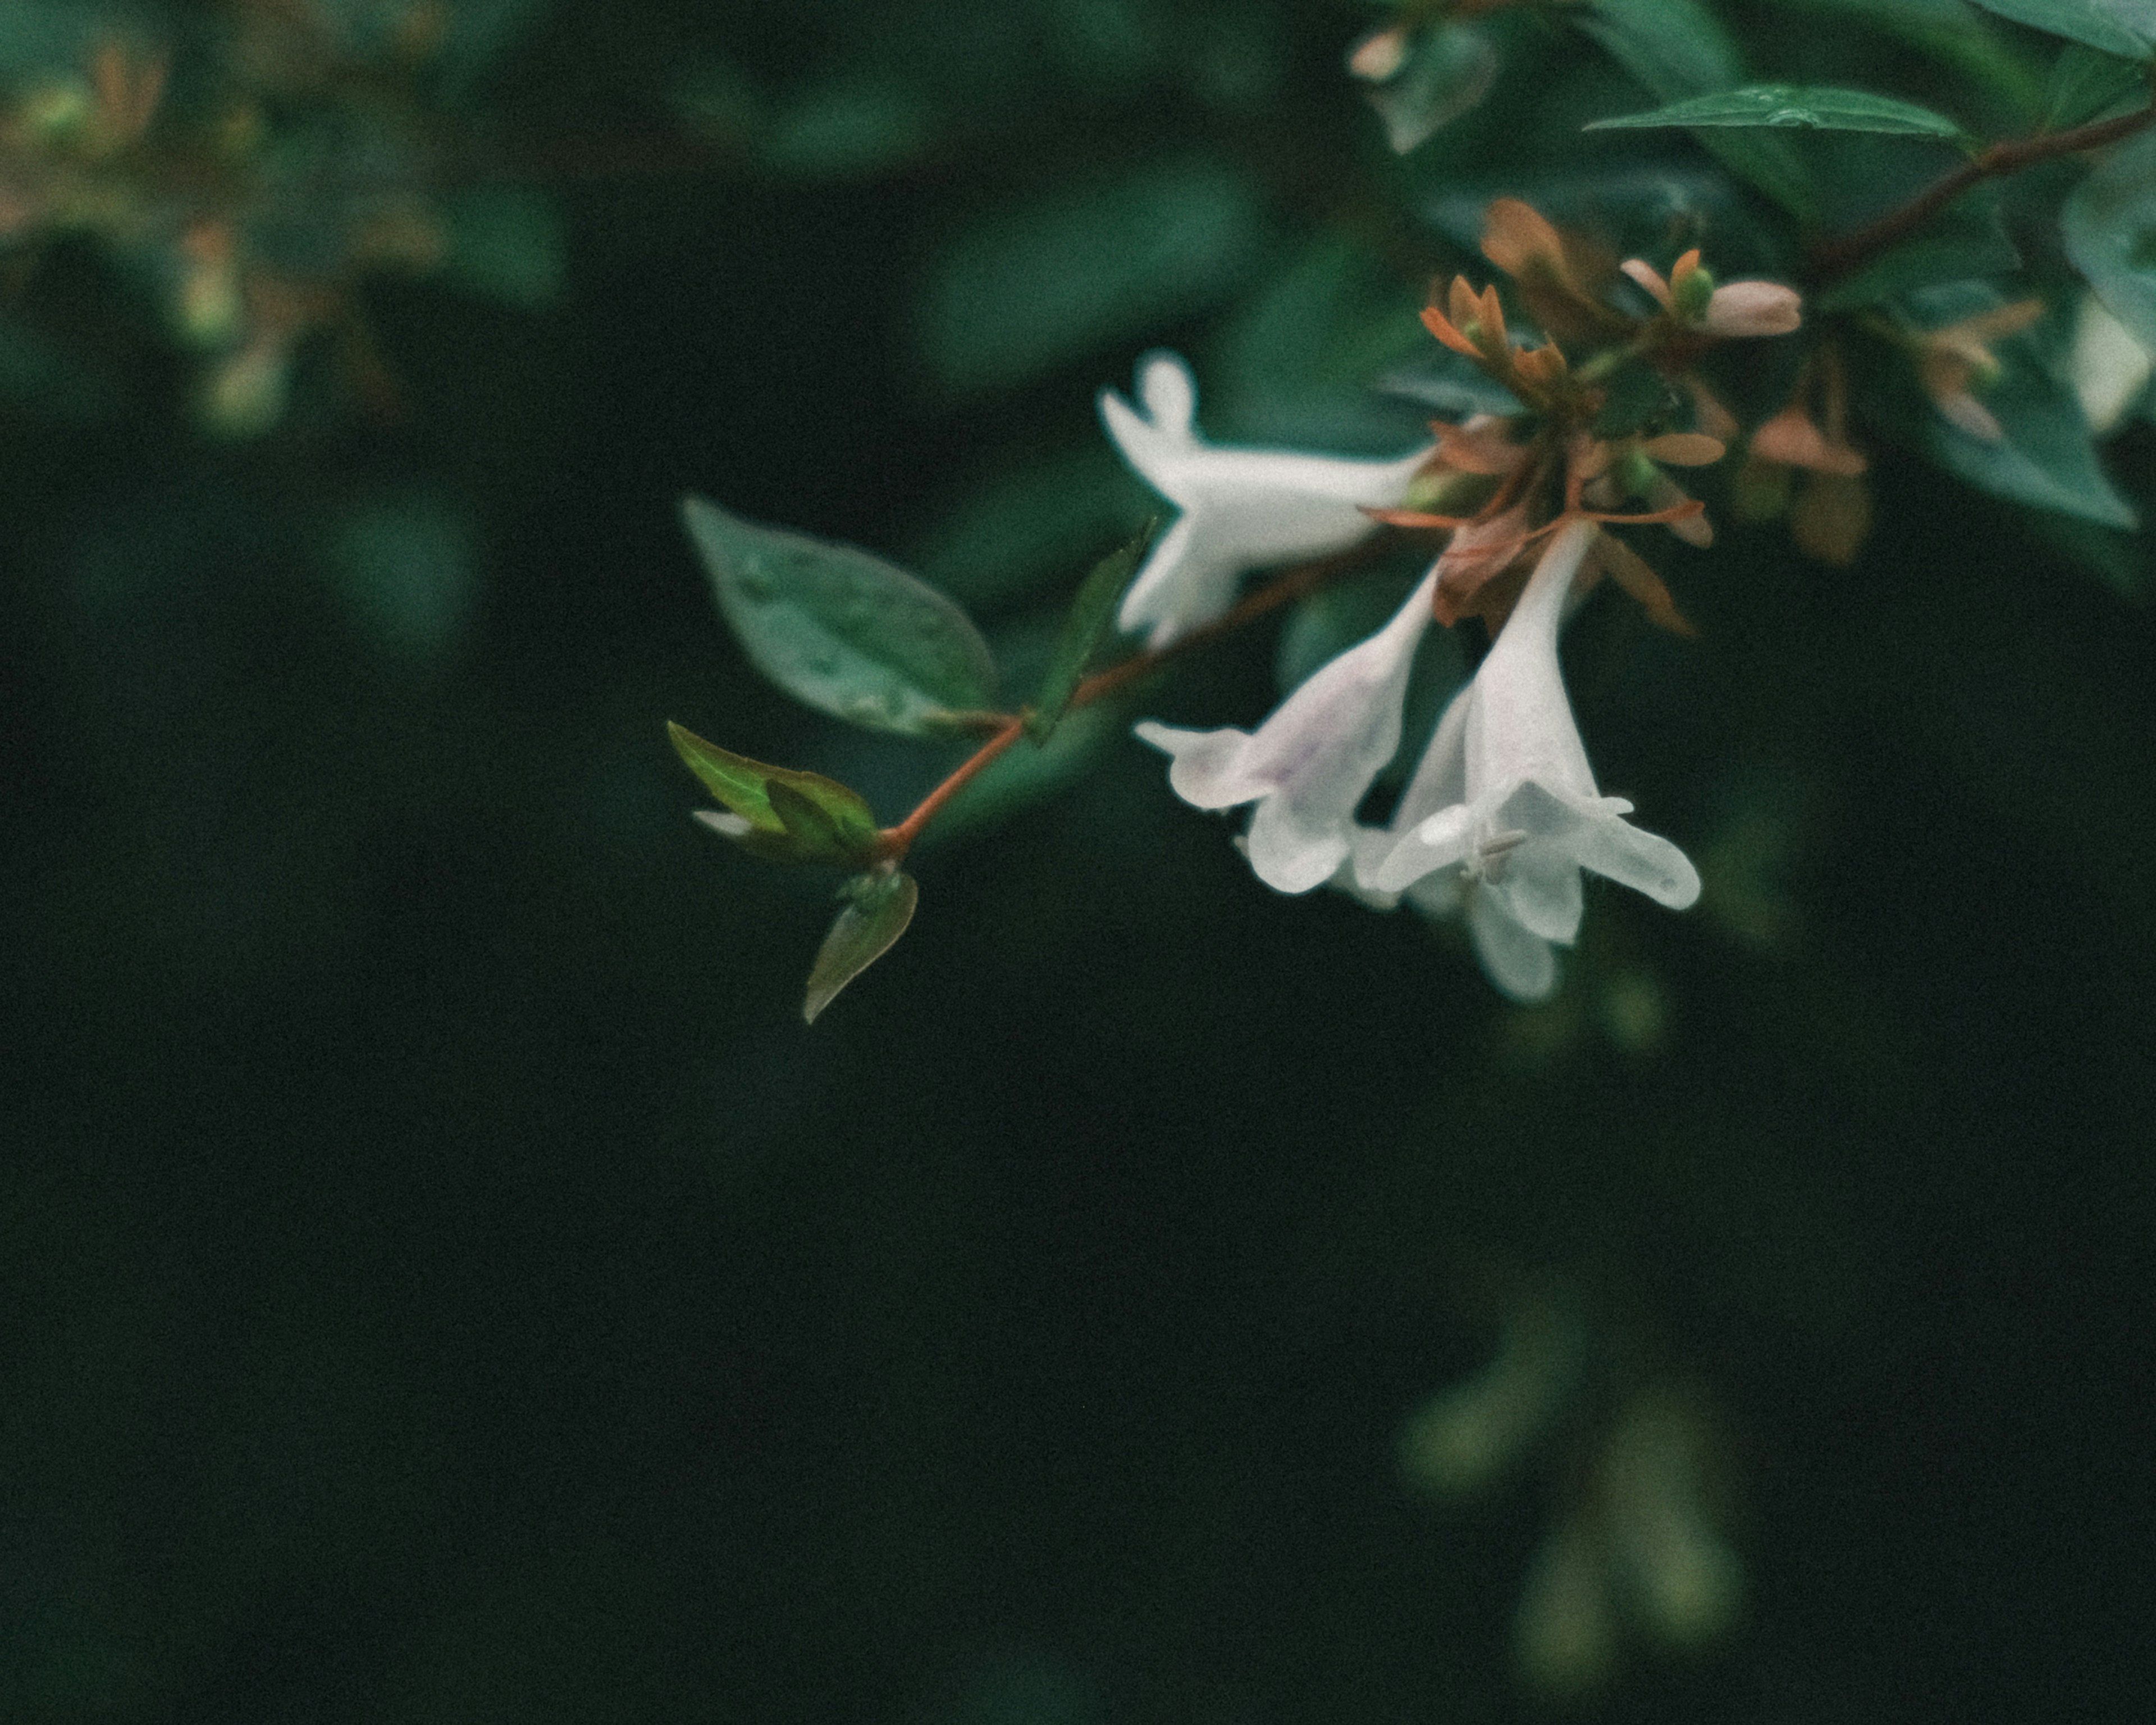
1842,255
894,842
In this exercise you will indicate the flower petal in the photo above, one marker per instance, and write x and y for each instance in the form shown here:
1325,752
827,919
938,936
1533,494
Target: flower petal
1519,963
1540,890
1210,768
1646,862
1651,278
1293,847
1439,842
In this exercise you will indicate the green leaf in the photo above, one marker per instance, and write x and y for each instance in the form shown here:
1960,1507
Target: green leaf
2117,27
2086,85
1677,48
1815,107
1966,244
1083,626
879,907
1949,31
1030,288
506,244
846,632
778,813
2109,224
2046,455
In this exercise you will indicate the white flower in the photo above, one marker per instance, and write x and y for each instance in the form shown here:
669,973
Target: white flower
1309,764
1242,509
1503,813
2108,366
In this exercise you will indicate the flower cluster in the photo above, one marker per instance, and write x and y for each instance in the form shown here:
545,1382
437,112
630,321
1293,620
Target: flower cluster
1503,813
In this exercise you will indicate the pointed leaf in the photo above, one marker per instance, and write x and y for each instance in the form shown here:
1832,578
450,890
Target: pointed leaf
2113,26
1087,621
878,909
2109,223
841,630
2086,85
1677,49
1818,108
778,813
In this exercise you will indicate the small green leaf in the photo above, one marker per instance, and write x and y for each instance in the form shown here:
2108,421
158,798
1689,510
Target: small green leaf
1086,622
778,813
846,632
1818,108
2109,225
2086,85
2093,23
879,907
1677,49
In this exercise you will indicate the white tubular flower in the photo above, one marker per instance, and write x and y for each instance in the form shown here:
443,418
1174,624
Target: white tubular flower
1309,764
1503,812
1242,509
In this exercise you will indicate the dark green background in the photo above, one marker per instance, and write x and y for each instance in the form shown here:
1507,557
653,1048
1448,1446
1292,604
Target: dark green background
440,1277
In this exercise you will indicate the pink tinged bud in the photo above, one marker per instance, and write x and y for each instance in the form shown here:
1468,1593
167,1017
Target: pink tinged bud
1753,308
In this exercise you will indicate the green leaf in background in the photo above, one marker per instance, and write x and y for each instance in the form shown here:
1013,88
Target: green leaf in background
506,244
2087,84
1083,626
1951,31
840,631
1292,364
777,813
1449,68
878,908
1677,49
407,566
1029,289
2120,27
2109,224
1818,108
1967,242
2047,454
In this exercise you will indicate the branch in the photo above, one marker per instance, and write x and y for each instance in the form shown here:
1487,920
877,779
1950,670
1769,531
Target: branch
894,842
1836,258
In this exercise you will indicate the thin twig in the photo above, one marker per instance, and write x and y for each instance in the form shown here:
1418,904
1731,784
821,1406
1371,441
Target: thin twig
1842,255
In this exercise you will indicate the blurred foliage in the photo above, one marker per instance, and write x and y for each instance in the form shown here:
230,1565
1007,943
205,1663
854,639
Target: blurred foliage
442,1279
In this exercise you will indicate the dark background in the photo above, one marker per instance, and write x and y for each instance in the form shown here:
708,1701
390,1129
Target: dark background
440,1277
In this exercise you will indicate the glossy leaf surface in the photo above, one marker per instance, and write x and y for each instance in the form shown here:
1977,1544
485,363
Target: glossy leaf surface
878,908
1812,108
840,629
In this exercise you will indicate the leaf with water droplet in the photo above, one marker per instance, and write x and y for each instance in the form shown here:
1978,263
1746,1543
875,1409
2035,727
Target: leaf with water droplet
1818,108
840,629
879,907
